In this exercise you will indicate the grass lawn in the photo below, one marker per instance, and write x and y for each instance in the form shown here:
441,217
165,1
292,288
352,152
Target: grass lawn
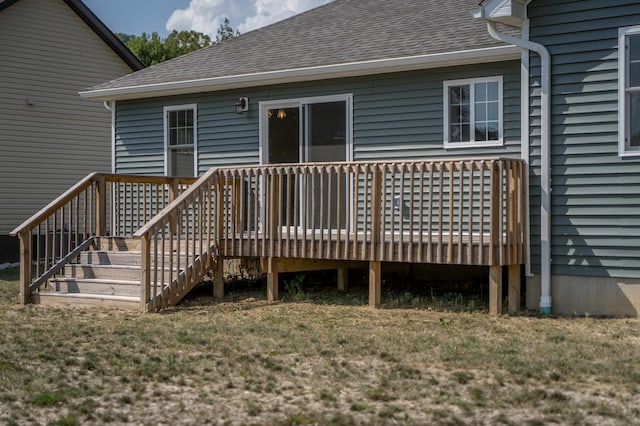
317,358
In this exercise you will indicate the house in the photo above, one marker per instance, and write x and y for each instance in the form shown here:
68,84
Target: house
374,132
49,136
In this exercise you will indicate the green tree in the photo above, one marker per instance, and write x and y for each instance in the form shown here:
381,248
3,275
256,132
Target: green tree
225,31
149,49
152,49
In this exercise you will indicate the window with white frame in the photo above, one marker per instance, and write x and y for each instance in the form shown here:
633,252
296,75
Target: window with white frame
180,140
629,88
473,112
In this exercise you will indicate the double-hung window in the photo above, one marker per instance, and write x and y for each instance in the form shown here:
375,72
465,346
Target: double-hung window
629,91
473,112
180,140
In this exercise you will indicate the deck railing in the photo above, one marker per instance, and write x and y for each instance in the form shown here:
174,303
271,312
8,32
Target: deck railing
444,211
98,205
179,245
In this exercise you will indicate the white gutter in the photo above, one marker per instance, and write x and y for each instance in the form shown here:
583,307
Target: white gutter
378,66
545,159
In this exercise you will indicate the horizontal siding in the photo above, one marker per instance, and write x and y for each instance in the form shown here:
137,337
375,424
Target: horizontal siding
49,54
595,194
395,116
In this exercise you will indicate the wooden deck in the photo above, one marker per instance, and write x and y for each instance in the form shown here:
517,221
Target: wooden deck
293,216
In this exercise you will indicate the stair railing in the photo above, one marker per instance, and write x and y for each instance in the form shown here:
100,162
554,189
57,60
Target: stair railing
179,245
98,205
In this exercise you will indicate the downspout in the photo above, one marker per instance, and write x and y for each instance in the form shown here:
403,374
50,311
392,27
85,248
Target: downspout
545,159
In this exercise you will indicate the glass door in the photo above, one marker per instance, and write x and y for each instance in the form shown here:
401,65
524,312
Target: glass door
310,130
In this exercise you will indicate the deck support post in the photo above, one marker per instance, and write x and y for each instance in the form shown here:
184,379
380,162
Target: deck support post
218,279
495,290
25,265
272,281
514,289
343,279
375,281
101,206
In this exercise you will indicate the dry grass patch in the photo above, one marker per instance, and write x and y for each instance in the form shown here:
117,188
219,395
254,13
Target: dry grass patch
246,362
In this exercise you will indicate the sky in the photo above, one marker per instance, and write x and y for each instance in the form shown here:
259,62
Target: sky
164,16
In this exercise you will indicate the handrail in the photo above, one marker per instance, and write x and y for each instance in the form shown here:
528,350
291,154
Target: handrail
179,244
60,201
99,204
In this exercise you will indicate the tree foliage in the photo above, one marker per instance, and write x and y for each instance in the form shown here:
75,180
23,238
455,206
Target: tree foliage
225,31
152,49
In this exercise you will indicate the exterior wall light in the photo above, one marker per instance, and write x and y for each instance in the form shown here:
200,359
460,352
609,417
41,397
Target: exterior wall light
242,105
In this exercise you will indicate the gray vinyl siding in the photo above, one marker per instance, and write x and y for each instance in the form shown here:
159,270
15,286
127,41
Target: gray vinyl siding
395,116
49,54
596,194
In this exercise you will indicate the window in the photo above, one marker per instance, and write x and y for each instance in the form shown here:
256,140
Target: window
180,140
629,91
473,112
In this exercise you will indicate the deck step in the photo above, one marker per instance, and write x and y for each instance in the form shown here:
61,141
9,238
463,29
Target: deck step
95,286
124,258
85,299
116,244
116,272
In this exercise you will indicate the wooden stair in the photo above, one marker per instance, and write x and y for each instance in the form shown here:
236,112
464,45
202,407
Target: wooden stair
108,274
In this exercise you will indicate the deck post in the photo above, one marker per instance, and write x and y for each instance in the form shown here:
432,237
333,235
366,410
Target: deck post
101,206
174,189
218,279
25,265
514,289
495,290
272,280
343,279
375,280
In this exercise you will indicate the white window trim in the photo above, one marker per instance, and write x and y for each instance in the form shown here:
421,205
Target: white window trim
623,113
445,103
297,102
165,112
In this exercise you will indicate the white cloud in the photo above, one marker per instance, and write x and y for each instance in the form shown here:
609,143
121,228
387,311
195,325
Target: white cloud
244,15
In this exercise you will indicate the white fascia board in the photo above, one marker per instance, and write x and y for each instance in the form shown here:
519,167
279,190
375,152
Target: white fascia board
381,66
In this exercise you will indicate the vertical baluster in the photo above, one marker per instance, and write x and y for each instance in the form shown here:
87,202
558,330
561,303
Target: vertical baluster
420,225
349,216
38,248
441,170
471,167
339,195
452,199
328,172
482,214
461,205
429,227
305,209
382,170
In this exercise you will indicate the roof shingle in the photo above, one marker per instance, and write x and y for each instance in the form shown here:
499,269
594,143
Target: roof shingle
340,32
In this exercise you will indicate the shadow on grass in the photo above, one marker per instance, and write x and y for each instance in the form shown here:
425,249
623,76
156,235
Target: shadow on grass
321,288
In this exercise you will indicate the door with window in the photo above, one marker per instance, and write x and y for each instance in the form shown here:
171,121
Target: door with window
310,130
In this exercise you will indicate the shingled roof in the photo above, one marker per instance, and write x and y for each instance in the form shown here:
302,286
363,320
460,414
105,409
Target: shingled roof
349,37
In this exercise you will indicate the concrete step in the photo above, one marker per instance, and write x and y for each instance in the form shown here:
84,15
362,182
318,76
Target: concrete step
95,286
116,272
85,300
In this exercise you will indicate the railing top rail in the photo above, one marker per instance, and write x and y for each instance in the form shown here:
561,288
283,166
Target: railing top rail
175,204
365,163
60,201
147,179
